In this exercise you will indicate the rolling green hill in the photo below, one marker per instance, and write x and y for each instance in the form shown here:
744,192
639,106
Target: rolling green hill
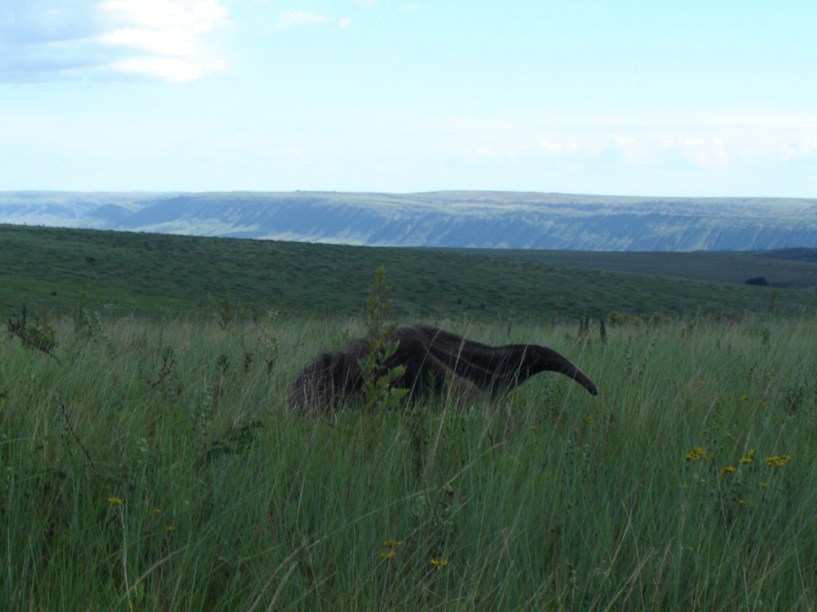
121,273
793,268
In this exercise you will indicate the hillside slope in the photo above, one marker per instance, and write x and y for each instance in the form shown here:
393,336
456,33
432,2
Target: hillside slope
123,273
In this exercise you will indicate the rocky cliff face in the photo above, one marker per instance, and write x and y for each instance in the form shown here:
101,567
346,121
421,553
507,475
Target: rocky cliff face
445,219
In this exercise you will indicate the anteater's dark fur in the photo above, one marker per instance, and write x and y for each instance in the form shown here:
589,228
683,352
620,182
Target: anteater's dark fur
429,356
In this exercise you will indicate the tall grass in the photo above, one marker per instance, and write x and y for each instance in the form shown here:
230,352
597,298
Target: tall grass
155,465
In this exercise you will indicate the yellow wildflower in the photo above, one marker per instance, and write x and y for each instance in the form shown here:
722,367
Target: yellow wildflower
157,511
748,457
729,469
116,501
763,483
170,528
392,543
777,460
439,563
388,554
696,454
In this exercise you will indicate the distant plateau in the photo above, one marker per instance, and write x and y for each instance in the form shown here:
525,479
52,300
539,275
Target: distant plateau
450,219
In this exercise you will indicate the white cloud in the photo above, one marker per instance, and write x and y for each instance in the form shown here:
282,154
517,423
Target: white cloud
555,147
162,38
289,19
299,18
706,152
155,42
167,69
711,144
191,16
109,40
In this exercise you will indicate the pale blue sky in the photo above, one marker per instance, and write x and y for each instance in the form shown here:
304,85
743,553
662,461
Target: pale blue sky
659,97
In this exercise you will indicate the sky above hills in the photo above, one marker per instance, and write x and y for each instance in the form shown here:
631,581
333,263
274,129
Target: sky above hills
634,97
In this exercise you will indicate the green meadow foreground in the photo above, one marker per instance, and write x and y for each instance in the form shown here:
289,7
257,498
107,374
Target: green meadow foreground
151,465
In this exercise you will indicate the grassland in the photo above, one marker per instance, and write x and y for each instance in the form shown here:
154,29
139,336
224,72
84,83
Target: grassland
122,274
153,465
790,268
149,460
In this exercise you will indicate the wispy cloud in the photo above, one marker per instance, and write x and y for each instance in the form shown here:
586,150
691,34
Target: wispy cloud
706,152
289,19
162,38
715,146
298,18
109,40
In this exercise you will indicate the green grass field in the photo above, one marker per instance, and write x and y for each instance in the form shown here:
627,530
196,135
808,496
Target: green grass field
790,268
153,465
149,460
158,276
